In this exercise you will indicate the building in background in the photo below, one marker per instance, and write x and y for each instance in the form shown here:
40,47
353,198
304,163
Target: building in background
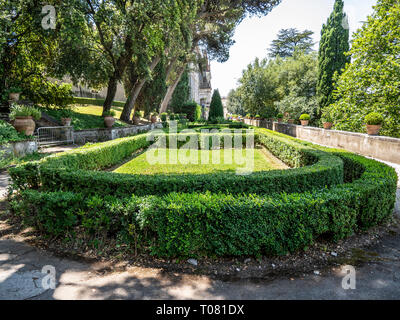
200,83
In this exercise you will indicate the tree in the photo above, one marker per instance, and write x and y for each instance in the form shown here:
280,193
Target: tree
181,94
258,87
289,41
213,30
371,83
234,104
216,107
332,58
297,85
26,47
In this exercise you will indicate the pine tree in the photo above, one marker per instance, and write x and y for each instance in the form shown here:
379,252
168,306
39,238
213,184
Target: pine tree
333,46
216,107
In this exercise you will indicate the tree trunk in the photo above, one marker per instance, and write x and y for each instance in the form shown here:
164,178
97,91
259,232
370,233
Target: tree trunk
111,91
170,91
135,91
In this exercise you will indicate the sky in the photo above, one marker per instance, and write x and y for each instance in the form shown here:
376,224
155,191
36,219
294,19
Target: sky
254,35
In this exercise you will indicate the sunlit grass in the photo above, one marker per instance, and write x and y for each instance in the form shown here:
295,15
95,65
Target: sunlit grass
200,162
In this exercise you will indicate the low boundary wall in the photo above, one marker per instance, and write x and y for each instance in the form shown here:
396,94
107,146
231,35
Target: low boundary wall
379,147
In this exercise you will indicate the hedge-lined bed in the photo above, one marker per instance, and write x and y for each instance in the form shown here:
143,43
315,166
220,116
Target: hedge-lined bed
342,193
73,171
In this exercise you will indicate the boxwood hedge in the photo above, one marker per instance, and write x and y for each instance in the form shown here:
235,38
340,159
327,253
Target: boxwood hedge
74,171
212,222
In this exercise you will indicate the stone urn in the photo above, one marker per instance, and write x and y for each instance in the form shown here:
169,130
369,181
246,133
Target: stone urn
305,123
14,96
328,125
24,125
66,122
136,120
373,130
153,119
109,121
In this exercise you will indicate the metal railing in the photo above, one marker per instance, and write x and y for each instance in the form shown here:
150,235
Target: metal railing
50,136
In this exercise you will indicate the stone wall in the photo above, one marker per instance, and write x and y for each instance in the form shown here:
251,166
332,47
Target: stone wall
379,147
100,135
18,149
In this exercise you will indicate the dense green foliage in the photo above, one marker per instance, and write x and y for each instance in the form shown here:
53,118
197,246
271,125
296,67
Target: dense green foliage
209,223
9,134
191,109
182,94
374,118
216,107
68,171
279,85
290,41
24,111
332,57
371,83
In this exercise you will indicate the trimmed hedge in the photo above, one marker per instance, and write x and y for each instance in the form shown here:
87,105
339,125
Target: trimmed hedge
70,172
336,194
207,224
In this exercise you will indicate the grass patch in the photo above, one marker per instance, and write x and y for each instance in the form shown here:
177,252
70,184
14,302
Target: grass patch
200,162
87,117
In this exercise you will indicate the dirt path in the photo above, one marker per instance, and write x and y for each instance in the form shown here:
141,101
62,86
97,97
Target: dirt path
21,277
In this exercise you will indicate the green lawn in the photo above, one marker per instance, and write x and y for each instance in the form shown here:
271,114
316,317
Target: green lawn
87,116
263,161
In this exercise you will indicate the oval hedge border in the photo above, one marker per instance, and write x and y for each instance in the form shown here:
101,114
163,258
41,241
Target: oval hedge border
221,224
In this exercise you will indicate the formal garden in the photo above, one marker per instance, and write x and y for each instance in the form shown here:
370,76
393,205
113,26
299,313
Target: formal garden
195,200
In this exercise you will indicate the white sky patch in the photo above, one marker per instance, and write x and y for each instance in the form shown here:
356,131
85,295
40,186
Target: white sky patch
254,35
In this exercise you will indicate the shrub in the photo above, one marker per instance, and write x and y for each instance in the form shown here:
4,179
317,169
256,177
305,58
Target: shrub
69,171
374,118
305,117
220,224
24,111
191,110
9,134
216,107
336,194
280,116
110,113
164,117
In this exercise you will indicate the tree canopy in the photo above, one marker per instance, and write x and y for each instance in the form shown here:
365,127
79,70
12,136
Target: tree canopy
332,58
371,83
289,41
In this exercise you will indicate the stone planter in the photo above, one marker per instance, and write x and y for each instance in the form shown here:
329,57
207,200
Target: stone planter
24,125
373,130
109,122
66,122
328,125
14,96
136,120
305,123
153,119
291,121
280,120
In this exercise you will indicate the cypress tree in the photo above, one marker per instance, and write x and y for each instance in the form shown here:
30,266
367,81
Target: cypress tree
333,46
216,107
